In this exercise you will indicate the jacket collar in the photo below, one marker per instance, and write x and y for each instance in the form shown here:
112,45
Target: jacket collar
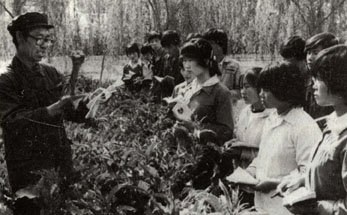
134,65
207,86
19,66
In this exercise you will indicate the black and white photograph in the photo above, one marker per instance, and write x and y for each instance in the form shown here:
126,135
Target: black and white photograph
173,107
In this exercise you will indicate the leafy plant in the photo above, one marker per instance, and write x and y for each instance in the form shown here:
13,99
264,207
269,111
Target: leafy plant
127,160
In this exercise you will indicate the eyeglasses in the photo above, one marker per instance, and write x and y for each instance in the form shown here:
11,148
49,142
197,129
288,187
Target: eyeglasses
42,40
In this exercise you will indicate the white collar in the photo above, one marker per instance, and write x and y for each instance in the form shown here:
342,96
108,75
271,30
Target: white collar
132,65
263,114
210,82
292,117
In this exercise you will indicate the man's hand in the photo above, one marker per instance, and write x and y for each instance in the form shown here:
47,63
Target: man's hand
77,58
59,106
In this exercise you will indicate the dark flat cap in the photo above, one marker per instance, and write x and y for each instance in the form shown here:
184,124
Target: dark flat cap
28,21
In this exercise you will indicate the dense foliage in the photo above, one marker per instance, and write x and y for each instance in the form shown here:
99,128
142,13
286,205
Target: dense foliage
126,162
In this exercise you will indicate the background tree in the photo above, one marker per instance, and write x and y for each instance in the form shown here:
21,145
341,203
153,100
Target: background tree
106,26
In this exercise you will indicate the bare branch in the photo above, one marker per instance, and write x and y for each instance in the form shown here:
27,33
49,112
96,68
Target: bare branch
301,12
5,8
151,3
167,14
333,9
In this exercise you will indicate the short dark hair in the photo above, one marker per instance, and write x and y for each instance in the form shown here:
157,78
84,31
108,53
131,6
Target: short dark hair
153,35
147,49
202,51
324,40
330,66
252,76
132,48
169,38
293,47
285,81
218,36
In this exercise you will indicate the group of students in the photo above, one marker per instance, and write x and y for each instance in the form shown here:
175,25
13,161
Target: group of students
291,134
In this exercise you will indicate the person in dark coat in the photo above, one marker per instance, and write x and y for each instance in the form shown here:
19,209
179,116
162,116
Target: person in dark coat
293,50
33,108
209,103
171,43
154,40
133,70
170,74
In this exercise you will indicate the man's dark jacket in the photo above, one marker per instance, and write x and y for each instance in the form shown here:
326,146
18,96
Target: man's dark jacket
33,139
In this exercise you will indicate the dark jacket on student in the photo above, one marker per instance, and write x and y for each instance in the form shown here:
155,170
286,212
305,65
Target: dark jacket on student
130,73
211,105
172,68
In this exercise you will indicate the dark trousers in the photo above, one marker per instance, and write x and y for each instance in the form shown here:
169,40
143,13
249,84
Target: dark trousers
22,174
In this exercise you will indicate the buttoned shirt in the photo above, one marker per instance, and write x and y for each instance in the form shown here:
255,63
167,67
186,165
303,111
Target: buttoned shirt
286,143
248,130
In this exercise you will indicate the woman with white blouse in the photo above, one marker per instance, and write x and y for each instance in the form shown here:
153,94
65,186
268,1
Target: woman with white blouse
289,133
244,147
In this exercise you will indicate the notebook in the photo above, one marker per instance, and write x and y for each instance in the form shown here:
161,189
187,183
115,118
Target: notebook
182,112
299,195
241,176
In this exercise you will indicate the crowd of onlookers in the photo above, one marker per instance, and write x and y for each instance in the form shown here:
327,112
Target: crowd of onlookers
292,132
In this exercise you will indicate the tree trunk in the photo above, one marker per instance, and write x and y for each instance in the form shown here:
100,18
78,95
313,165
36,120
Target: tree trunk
154,4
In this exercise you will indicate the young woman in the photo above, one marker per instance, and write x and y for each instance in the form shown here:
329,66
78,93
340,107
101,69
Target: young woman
327,171
134,69
313,46
209,100
210,104
248,129
285,144
181,90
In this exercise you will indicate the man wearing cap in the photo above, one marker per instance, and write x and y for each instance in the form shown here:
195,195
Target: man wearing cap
32,110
